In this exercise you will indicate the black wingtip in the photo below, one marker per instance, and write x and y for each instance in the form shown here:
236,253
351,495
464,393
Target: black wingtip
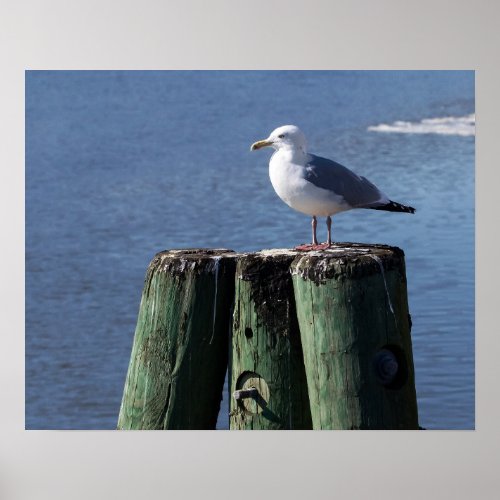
393,206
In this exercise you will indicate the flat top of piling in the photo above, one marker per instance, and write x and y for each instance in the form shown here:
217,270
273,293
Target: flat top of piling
318,265
336,250
196,251
344,249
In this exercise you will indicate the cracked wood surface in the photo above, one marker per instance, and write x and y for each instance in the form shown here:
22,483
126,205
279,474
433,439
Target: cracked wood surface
179,355
306,329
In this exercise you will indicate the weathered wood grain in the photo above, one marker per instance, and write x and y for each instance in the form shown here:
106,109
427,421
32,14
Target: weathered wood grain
266,351
319,340
180,350
352,304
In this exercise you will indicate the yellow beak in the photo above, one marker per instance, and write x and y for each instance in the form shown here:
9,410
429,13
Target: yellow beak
260,144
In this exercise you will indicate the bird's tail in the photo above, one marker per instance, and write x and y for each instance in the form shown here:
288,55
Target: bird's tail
392,206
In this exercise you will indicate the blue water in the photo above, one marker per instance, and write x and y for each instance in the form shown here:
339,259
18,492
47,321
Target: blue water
121,165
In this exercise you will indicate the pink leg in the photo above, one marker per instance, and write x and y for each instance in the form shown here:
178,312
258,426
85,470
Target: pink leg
314,224
314,246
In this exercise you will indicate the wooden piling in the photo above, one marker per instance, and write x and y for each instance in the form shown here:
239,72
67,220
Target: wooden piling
316,339
355,329
266,352
179,356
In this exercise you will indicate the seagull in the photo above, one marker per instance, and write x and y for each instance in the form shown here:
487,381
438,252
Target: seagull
318,186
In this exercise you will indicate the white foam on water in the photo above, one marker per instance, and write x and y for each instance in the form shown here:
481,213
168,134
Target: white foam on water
448,125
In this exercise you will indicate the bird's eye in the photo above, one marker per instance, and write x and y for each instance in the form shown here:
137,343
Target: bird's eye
281,136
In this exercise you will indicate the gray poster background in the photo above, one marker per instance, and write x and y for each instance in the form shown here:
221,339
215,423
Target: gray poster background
271,34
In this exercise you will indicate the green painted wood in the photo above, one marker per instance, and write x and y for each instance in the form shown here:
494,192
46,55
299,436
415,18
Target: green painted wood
179,356
266,351
348,310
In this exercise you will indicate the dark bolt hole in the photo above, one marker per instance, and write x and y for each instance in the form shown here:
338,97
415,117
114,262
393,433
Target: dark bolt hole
248,333
398,379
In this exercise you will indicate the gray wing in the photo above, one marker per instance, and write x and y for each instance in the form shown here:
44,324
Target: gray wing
357,191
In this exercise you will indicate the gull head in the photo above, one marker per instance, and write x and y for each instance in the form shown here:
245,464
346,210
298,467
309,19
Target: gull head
286,137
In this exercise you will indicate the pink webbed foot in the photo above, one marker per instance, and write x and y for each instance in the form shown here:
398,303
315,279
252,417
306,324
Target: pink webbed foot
310,247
